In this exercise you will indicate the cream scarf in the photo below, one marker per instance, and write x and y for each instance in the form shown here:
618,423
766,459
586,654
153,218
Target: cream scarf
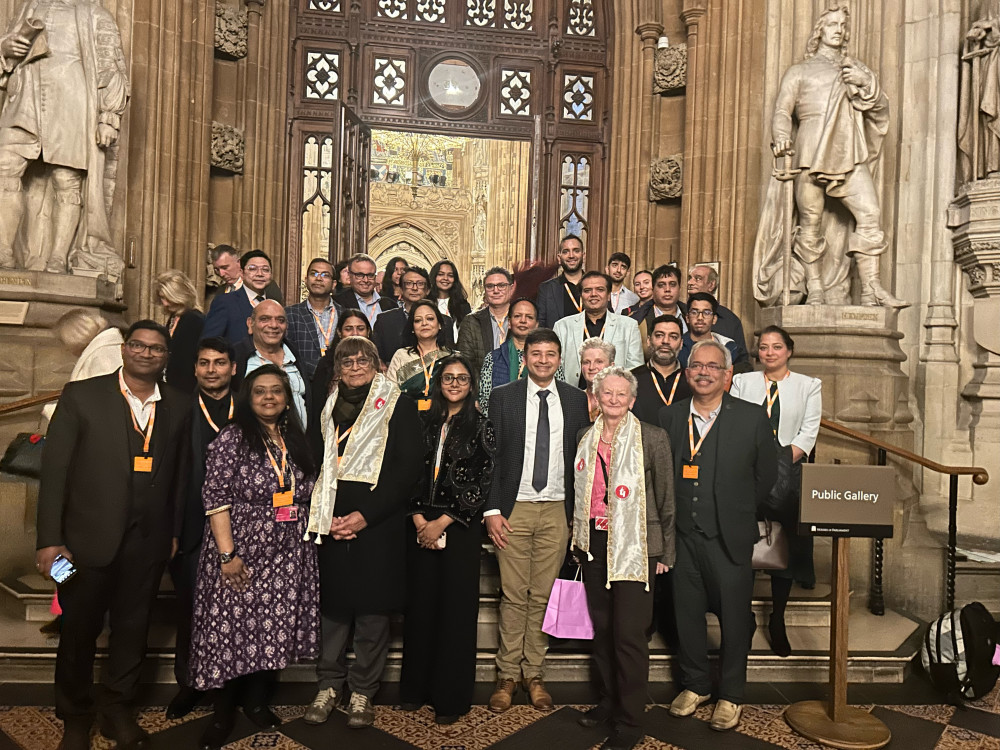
627,557
363,454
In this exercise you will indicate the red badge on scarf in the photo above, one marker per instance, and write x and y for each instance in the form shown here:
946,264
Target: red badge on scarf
621,491
379,403
579,466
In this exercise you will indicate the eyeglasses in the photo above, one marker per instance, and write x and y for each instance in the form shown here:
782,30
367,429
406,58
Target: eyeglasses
137,347
701,313
449,377
320,274
357,363
497,287
709,366
414,284
369,276
258,269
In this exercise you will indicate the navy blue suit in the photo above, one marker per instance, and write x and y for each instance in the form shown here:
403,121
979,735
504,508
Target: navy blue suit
227,317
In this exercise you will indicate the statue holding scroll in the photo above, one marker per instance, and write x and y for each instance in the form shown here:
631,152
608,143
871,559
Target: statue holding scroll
63,90
822,208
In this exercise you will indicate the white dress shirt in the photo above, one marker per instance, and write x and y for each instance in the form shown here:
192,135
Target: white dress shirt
700,422
623,298
252,296
555,490
140,409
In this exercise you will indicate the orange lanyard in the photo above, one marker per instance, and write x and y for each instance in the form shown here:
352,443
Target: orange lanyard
673,390
328,333
501,326
427,374
771,398
232,404
440,450
173,325
696,448
577,305
284,464
600,335
338,438
148,435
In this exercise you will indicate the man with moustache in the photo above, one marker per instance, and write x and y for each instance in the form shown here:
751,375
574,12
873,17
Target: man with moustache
596,321
391,325
114,473
621,297
665,300
362,295
228,313
725,465
530,509
312,323
212,410
559,297
486,329
267,345
661,379
704,278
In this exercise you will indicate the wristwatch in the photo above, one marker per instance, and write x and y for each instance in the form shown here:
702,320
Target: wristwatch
225,557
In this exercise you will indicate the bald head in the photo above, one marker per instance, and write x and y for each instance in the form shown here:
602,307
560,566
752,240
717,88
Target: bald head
267,324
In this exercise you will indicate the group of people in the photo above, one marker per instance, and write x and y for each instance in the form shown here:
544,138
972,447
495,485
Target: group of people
307,472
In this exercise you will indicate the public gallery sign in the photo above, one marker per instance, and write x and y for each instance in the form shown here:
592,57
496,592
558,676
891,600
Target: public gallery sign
846,500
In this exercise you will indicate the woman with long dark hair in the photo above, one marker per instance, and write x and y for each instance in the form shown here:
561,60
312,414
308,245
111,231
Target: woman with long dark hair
390,279
413,366
447,289
443,548
257,598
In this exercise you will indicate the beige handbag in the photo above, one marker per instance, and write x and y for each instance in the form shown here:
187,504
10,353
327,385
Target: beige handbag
771,550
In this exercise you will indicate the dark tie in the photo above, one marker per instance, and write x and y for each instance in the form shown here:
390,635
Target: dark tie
258,299
540,473
775,415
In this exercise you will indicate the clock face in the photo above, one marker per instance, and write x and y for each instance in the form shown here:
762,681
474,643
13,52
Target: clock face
454,85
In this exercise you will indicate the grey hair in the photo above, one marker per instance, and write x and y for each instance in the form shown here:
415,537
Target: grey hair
616,371
595,342
713,275
728,358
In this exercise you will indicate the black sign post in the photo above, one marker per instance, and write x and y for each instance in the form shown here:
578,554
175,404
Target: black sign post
842,501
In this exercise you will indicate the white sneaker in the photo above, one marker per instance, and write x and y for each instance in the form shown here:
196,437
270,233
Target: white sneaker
360,712
322,706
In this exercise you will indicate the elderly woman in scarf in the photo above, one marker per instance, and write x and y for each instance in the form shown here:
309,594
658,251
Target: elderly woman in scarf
623,530
370,468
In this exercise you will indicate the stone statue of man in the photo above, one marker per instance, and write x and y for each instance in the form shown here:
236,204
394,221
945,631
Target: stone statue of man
63,71
842,116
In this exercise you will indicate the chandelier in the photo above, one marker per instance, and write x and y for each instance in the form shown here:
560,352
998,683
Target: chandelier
420,150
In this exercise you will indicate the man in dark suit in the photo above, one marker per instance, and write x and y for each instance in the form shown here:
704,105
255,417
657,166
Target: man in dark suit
312,323
486,329
226,262
212,409
362,295
702,278
114,471
227,316
725,464
391,327
560,297
530,509
665,301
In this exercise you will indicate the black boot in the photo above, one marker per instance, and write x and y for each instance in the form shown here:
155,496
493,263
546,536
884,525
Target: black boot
183,703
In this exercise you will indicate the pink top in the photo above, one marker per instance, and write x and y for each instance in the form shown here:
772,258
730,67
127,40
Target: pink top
598,508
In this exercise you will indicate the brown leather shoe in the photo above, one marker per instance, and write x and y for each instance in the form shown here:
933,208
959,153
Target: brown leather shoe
502,696
539,696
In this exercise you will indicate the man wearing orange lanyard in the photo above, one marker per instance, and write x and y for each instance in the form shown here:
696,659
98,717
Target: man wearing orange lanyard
213,408
561,296
725,464
312,323
114,471
661,379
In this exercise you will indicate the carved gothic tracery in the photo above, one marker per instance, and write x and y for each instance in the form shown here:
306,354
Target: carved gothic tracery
231,31
665,178
670,69
228,148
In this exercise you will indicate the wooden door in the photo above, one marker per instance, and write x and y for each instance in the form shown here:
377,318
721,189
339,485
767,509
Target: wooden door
349,224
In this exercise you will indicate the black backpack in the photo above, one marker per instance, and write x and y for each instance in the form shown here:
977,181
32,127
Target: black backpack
958,652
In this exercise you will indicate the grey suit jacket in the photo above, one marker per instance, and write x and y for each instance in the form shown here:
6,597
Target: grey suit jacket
508,404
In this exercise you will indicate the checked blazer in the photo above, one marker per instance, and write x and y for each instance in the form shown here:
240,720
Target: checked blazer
304,336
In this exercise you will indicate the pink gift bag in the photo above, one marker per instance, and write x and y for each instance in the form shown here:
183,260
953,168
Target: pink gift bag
566,615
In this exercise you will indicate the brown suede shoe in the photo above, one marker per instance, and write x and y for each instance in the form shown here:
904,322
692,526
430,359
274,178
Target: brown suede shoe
539,696
502,696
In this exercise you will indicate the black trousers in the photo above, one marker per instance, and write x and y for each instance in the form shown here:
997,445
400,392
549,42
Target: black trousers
706,580
621,616
184,573
125,590
442,613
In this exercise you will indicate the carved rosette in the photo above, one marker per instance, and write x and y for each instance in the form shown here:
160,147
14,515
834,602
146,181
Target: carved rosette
670,69
228,148
974,216
230,31
666,178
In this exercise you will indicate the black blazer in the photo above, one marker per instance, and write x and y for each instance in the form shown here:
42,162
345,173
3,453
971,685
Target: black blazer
183,348
86,484
390,334
746,466
507,409
550,302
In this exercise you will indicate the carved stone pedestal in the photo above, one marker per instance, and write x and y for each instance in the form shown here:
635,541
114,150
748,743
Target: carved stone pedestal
855,351
32,362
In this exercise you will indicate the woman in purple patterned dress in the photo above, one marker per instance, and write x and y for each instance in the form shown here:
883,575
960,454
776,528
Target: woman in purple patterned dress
257,598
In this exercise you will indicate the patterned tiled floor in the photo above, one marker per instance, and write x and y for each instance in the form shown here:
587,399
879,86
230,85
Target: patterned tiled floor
914,727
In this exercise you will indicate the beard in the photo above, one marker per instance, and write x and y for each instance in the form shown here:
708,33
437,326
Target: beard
567,269
664,358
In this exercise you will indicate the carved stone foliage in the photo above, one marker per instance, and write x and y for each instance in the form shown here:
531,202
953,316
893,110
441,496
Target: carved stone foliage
665,178
670,69
974,217
230,31
228,148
